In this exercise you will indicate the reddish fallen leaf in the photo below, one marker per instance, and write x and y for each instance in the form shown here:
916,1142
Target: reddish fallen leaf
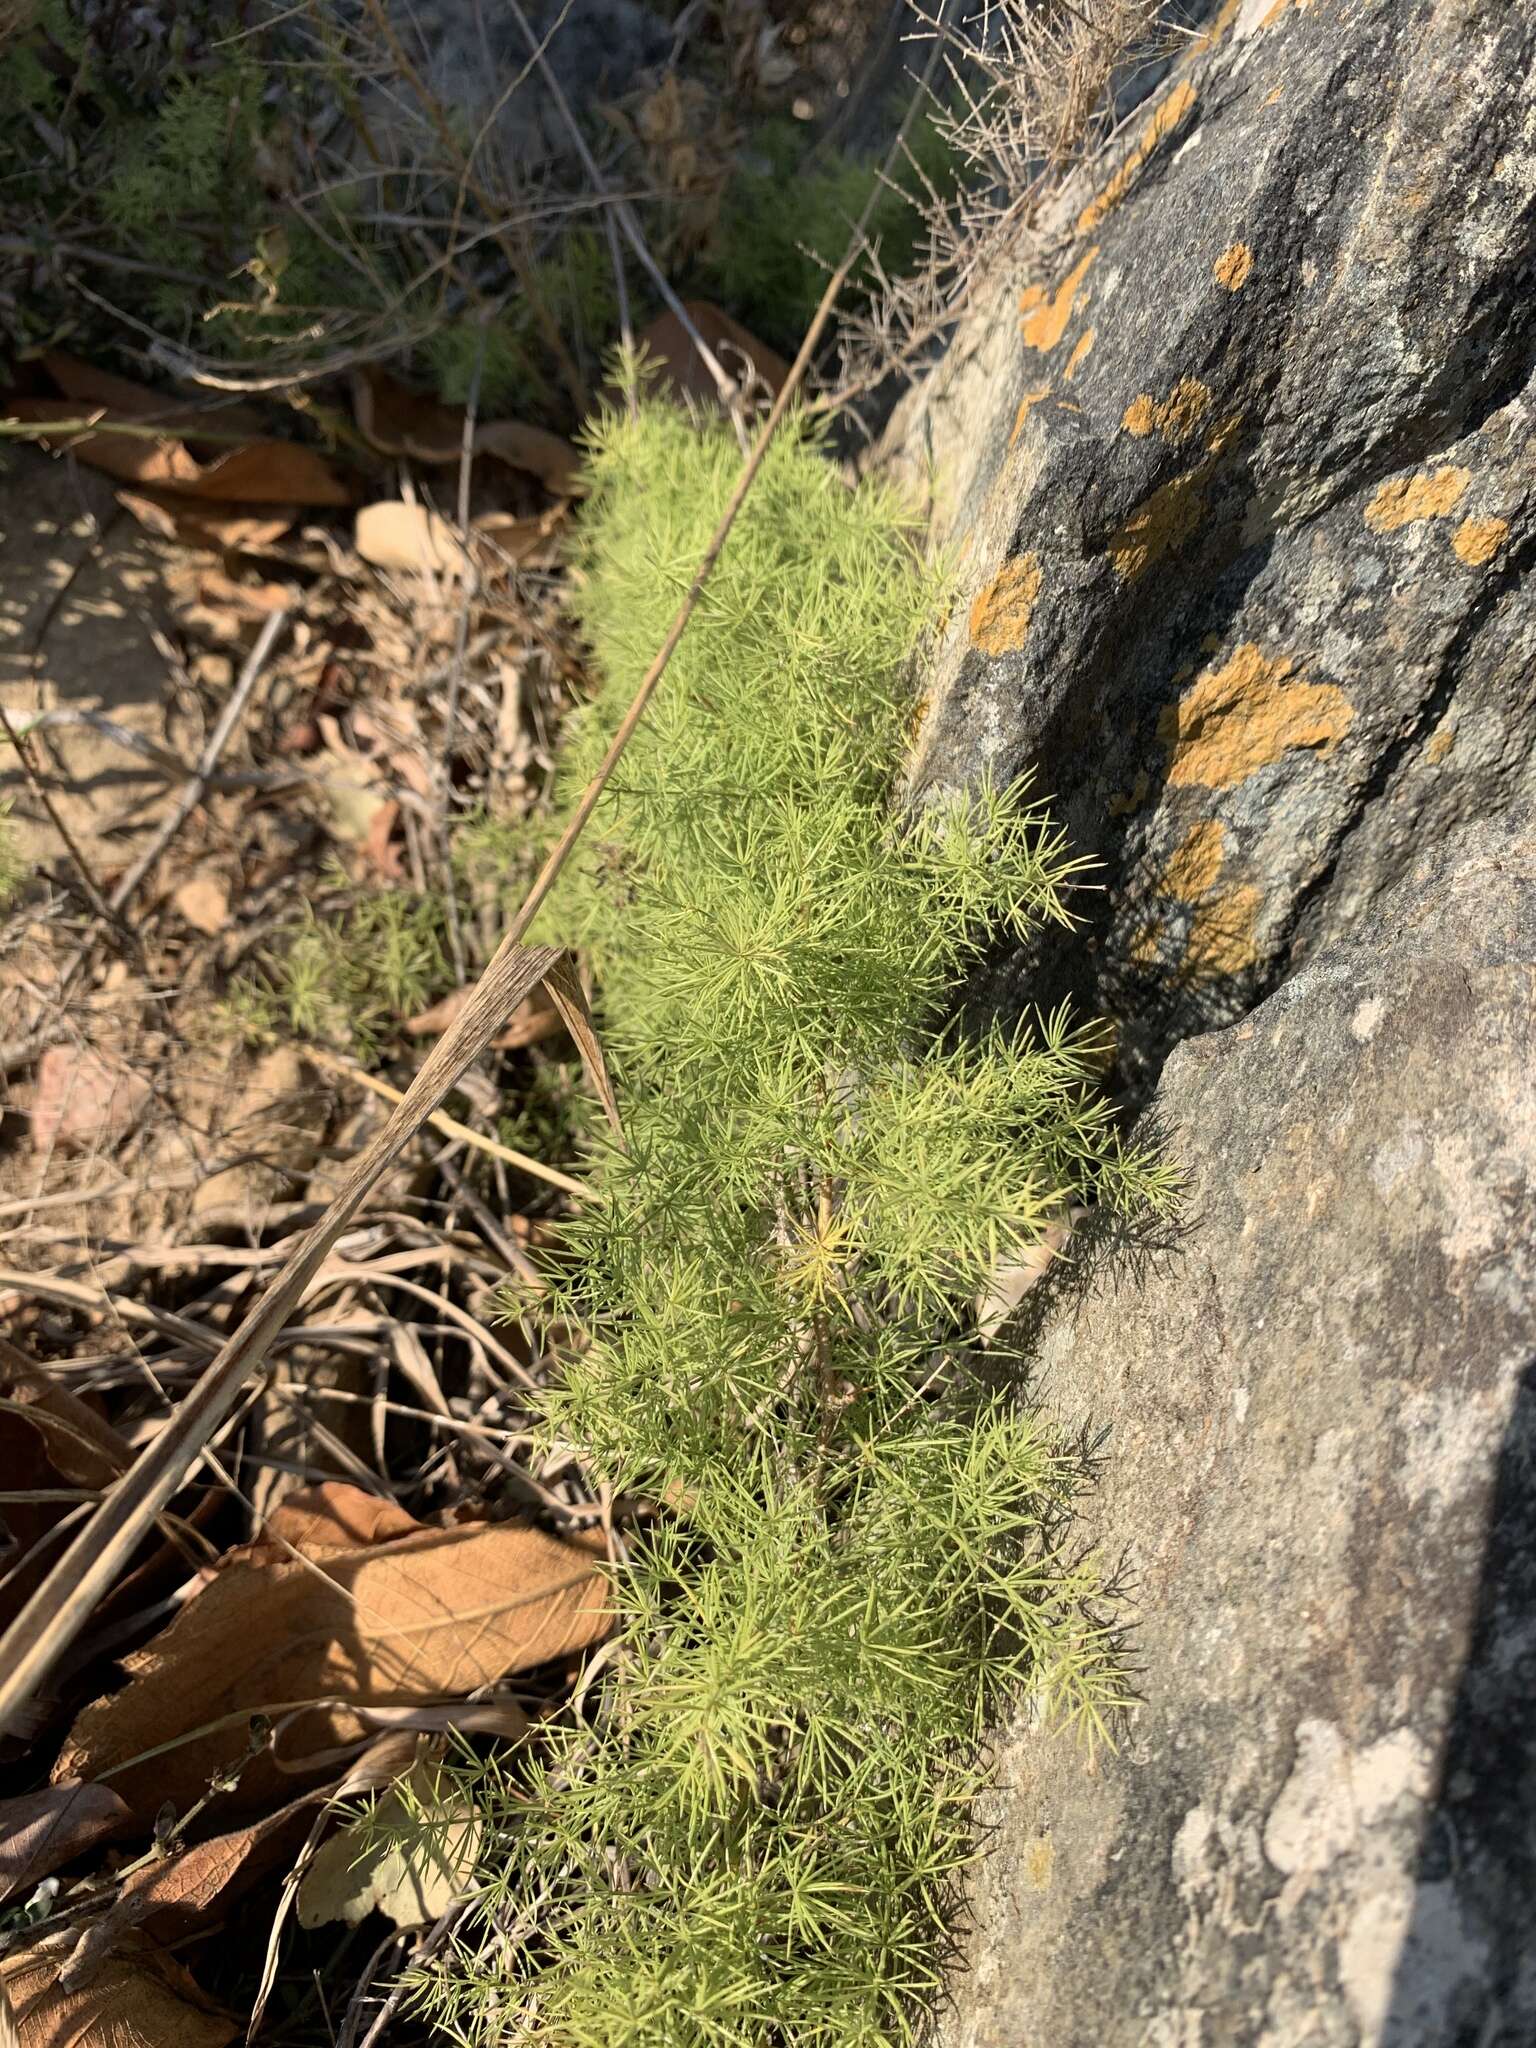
552,460
670,347
253,471
135,1999
399,421
48,1436
173,1898
423,1617
84,1099
40,1831
531,543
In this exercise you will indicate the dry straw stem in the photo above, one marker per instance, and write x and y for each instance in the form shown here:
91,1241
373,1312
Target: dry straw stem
65,1601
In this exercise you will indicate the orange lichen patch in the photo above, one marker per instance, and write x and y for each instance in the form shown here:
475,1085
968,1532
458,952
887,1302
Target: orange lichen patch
1159,524
1169,115
1130,799
1045,318
1272,98
1439,743
1245,714
1225,434
1218,28
1001,614
1477,541
1275,12
1081,352
1194,863
1027,405
1176,417
1223,938
1232,266
1432,494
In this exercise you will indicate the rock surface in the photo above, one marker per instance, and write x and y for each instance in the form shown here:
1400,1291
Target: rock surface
80,601
1243,485
1321,1468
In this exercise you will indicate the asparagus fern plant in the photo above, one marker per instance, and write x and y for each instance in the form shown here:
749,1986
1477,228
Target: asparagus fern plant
753,1830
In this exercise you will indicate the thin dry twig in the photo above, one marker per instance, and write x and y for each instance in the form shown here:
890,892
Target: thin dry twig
452,1128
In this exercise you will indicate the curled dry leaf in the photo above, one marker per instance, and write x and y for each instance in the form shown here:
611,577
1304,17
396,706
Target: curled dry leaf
80,1446
419,1618
40,1831
259,472
136,1999
399,421
670,348
409,1859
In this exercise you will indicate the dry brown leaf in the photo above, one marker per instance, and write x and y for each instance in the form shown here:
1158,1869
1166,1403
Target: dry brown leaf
409,1859
551,459
39,1831
259,472
84,1099
670,347
174,1897
394,535
90,386
427,1616
400,421
204,903
381,849
532,543
80,1446
201,523
336,1516
136,1999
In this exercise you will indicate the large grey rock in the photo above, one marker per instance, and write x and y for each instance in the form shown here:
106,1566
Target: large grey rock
1244,483
1321,1472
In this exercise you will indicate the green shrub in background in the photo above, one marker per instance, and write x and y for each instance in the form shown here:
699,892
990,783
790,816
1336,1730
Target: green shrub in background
769,260
755,1837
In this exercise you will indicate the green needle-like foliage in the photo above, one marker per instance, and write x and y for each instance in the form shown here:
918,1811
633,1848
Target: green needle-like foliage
751,1832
